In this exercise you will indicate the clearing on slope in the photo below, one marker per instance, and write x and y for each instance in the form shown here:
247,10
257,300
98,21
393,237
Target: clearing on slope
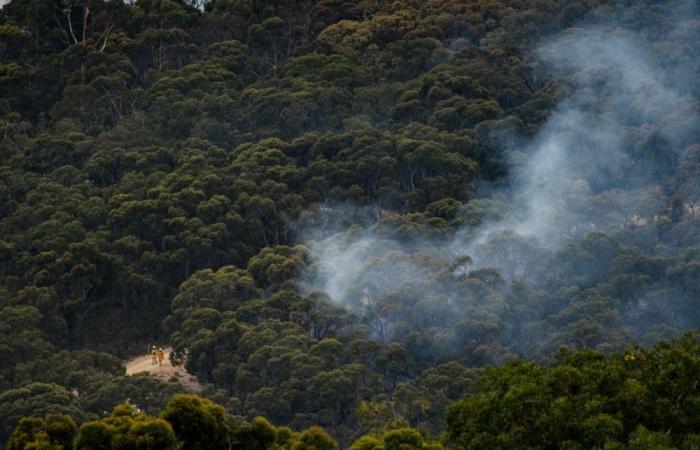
165,371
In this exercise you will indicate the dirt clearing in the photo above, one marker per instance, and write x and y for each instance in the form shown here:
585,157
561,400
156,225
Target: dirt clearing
164,372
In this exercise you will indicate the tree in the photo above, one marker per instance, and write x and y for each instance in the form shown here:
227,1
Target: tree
198,423
38,399
397,439
315,438
585,399
53,431
126,428
258,435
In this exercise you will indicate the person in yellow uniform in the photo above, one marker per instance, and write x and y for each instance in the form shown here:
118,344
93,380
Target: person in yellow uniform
154,355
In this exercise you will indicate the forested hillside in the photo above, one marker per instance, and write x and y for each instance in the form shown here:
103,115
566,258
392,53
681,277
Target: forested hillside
470,218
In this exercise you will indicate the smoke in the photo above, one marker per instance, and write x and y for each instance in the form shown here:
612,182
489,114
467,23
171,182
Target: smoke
578,175
356,266
342,259
584,148
595,166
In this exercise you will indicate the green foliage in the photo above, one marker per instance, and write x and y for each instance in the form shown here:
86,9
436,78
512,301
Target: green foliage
55,431
639,399
144,207
315,438
198,423
126,428
37,399
396,439
162,163
257,435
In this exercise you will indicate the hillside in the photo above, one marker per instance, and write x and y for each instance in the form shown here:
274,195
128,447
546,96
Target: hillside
365,216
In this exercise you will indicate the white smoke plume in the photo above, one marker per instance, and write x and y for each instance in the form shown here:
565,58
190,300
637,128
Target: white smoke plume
575,176
582,151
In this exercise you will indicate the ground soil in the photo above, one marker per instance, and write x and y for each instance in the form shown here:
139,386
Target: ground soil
164,372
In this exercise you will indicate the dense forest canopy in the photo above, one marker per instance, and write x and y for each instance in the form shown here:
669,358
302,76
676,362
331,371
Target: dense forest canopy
415,224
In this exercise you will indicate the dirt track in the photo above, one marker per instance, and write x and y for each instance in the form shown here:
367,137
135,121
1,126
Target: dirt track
164,372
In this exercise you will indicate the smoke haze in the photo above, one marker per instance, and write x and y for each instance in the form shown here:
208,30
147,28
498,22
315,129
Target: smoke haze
575,176
583,151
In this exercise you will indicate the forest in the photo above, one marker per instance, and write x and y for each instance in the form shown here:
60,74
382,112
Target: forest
361,224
